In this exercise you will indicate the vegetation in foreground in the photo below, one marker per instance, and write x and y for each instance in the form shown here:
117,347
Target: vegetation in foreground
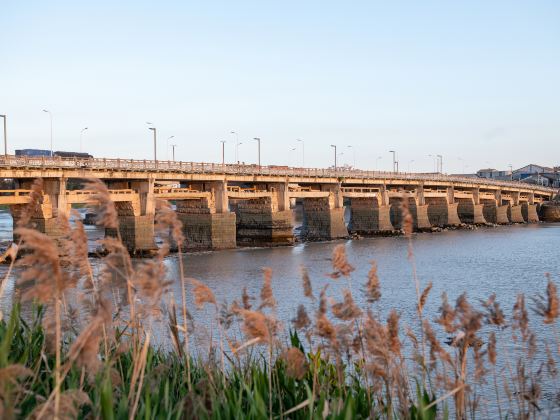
91,355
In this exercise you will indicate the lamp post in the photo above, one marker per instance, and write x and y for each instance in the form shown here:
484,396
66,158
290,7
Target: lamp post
394,160
155,140
440,157
302,152
5,137
81,135
258,140
223,152
50,115
237,144
510,172
334,145
167,146
173,146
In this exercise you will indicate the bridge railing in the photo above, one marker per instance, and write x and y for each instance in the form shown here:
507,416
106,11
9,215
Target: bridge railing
237,169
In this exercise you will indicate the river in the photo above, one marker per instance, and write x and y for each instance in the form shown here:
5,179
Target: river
505,260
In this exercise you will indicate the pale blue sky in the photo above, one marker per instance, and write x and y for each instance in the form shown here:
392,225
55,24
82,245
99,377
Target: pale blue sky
477,80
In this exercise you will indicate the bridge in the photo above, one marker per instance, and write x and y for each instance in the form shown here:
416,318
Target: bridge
222,206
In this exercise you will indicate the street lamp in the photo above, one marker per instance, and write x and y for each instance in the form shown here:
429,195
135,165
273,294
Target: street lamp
81,133
237,144
510,172
440,163
173,146
223,152
50,114
155,140
394,160
333,145
258,140
5,137
302,152
167,146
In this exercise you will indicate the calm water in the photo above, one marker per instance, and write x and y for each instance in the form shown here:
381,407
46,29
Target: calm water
503,260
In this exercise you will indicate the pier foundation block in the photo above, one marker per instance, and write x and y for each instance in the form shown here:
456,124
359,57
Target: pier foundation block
264,228
471,213
441,213
260,222
530,213
502,215
137,233
320,222
208,231
516,215
367,218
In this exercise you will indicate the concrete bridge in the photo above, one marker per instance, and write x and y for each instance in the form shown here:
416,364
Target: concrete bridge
222,206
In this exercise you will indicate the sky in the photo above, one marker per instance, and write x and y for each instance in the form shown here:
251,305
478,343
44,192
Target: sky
474,81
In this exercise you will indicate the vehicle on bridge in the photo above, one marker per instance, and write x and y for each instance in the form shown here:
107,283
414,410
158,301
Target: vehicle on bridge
47,153
33,152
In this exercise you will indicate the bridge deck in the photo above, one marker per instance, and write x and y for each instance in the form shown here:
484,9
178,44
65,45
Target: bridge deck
128,169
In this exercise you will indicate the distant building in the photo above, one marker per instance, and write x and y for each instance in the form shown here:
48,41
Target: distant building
491,173
529,171
537,174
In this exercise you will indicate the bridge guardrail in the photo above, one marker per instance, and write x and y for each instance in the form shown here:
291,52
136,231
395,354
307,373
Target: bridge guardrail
235,169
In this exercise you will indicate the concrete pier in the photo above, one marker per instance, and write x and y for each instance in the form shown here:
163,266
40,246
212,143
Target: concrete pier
471,213
260,223
530,213
323,219
516,215
502,217
368,217
137,233
208,231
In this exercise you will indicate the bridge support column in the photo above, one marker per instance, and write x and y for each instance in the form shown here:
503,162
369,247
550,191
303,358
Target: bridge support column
368,217
502,215
323,218
46,217
471,211
516,214
207,223
260,222
422,219
530,213
421,211
136,222
137,233
516,211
